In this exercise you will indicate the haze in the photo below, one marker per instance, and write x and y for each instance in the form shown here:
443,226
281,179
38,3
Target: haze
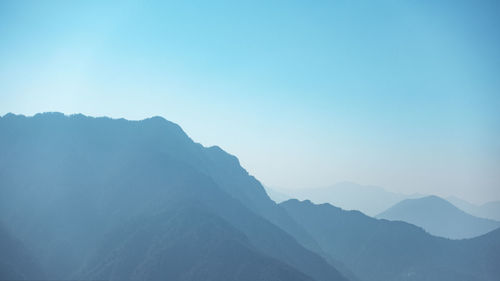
399,94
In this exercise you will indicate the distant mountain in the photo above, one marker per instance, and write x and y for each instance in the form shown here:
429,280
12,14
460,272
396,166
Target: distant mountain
489,210
439,217
380,250
368,199
112,199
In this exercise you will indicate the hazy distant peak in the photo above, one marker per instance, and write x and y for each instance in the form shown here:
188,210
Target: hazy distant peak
426,204
433,197
368,199
430,201
439,217
430,198
489,210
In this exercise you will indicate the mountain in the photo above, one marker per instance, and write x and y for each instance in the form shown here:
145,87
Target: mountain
101,198
275,195
439,217
16,262
379,250
368,199
489,210
194,245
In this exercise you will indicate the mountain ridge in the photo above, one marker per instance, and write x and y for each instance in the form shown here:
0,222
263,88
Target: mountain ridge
489,210
378,249
368,199
70,181
439,217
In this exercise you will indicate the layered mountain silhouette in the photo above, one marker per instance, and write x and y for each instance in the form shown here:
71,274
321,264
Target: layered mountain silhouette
85,198
377,249
99,198
439,217
489,210
371,200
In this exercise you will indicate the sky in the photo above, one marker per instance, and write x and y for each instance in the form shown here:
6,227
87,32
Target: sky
404,94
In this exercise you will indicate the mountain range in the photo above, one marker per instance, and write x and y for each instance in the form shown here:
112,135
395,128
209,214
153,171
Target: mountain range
99,198
378,249
439,217
369,199
85,198
489,210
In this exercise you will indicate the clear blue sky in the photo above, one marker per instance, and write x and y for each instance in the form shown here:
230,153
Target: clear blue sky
403,94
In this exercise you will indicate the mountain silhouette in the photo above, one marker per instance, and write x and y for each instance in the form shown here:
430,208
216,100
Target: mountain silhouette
101,198
368,199
378,250
488,210
275,195
439,217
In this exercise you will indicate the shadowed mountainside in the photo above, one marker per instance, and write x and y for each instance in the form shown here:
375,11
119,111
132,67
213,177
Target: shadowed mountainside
16,262
380,250
98,198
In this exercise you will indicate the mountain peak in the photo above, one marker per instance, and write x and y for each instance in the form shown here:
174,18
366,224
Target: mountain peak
431,200
88,176
439,217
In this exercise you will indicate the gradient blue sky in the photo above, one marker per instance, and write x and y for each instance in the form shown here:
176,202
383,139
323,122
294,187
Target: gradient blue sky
404,94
